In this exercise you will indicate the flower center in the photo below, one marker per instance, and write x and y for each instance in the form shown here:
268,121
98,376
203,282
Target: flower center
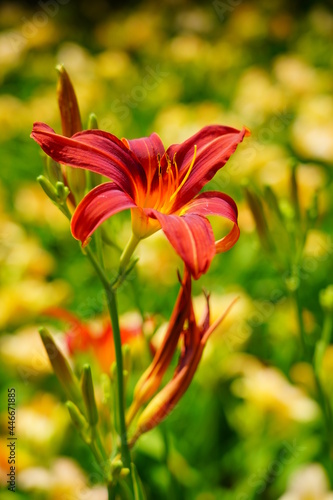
170,183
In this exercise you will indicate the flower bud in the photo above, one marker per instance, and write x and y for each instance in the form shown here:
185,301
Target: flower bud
48,188
68,105
93,179
87,389
76,180
53,170
78,420
61,367
92,122
62,192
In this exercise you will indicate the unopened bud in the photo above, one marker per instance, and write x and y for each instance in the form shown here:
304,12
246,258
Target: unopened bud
61,367
53,170
92,122
68,105
76,179
48,188
78,419
93,179
88,393
62,192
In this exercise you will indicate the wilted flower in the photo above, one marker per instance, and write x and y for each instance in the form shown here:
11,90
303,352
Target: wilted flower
194,338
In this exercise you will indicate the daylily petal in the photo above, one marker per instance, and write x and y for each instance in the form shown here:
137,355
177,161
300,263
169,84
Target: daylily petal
97,206
94,150
191,236
151,379
227,241
215,144
147,150
215,203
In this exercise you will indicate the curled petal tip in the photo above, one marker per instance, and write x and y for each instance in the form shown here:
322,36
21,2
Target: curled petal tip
86,242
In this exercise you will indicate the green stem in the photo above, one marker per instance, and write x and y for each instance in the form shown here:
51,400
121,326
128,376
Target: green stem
112,492
327,328
112,305
301,324
98,268
322,399
113,310
128,252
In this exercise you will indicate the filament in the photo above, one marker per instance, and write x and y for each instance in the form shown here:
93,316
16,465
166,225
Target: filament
186,176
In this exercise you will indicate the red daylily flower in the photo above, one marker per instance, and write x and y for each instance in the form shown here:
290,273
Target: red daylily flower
194,338
161,187
96,336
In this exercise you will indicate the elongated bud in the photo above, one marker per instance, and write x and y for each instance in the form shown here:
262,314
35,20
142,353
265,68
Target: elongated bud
106,389
62,192
68,105
92,121
256,208
61,367
53,170
48,188
93,179
78,419
76,179
88,394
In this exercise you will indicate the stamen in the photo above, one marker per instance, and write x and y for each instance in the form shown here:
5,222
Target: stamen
168,161
159,163
176,168
159,182
186,176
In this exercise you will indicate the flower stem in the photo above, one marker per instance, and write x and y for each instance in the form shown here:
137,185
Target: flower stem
113,310
110,292
128,252
322,398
